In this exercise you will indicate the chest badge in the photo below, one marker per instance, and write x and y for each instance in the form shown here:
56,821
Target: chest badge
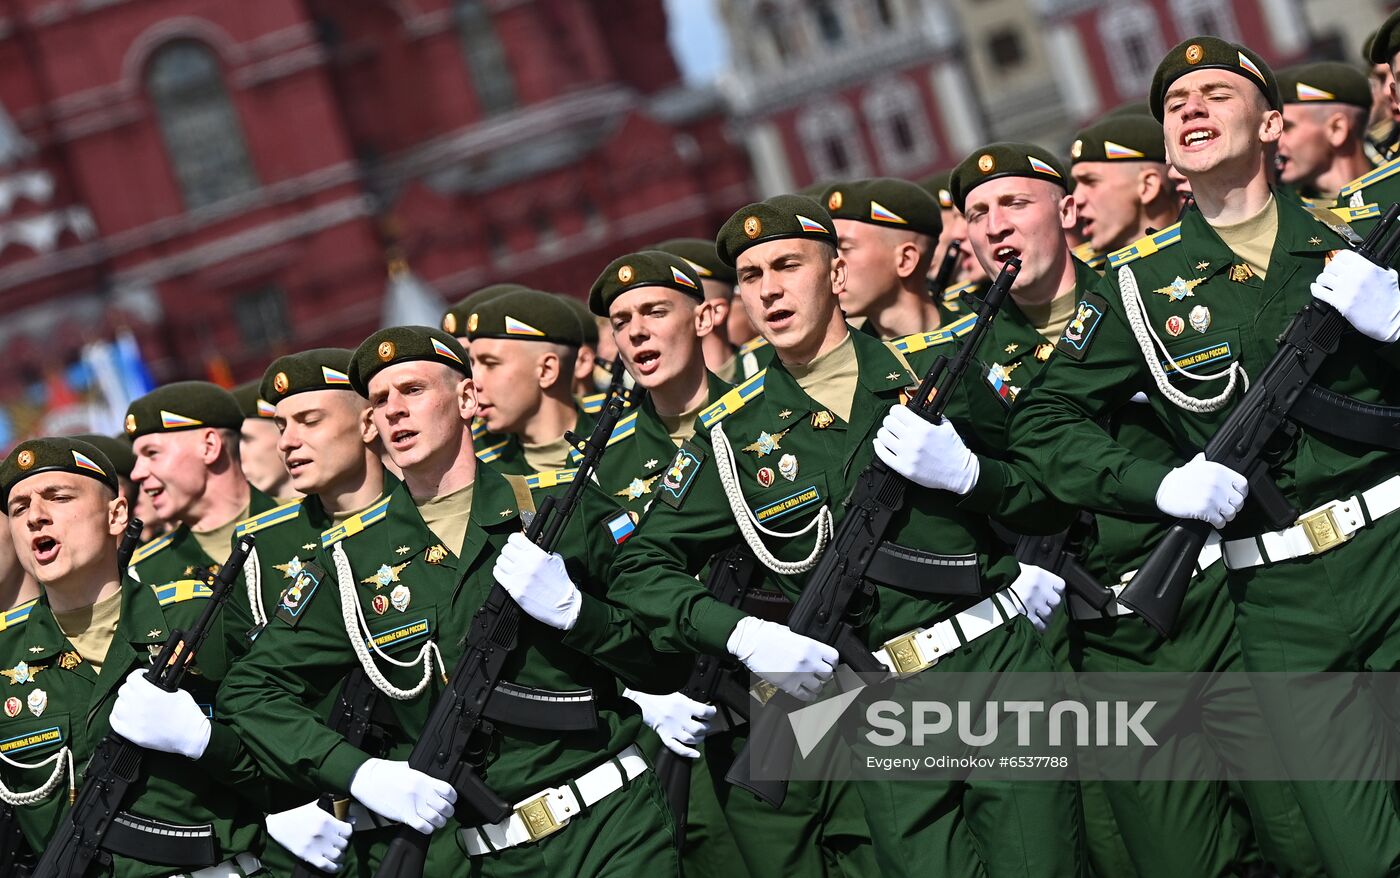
399,597
385,575
291,568
822,420
787,466
38,701
1200,318
1180,288
765,476
380,604
69,660
22,673
766,443
13,706
1175,325
1241,273
637,488
435,554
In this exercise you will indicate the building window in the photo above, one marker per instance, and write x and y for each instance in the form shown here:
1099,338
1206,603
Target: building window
773,26
198,124
831,142
884,13
1132,36
1210,17
1005,48
262,317
895,115
828,22
486,57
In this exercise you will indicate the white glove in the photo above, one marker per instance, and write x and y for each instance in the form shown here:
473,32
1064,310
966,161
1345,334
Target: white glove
1365,294
1202,490
795,664
538,582
676,719
150,717
1040,592
312,835
402,794
932,455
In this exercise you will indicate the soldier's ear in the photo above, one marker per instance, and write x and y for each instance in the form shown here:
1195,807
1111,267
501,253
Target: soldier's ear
707,317
466,399
118,513
369,433
1069,212
1271,126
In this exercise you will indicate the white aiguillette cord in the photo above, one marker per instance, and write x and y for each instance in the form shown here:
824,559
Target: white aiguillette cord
357,629
62,759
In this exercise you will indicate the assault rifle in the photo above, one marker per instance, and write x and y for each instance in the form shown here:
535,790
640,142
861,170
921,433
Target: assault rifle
944,278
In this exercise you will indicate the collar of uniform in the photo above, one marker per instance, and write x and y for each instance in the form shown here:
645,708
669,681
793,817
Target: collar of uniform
403,526
651,430
876,362
1199,243
142,621
1086,277
42,637
1302,233
493,501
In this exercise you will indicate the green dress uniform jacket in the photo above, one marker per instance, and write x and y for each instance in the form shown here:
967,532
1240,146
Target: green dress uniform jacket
177,555
57,701
506,453
410,590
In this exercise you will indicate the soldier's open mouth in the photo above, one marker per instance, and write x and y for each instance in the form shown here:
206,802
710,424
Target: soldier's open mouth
45,549
1005,253
398,437
1198,136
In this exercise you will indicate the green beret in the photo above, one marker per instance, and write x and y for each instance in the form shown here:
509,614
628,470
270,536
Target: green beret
585,319
1386,41
940,186
317,369
1120,139
782,216
527,314
55,454
702,257
1006,159
404,344
184,405
117,449
647,268
251,402
1211,53
885,201
1325,82
454,322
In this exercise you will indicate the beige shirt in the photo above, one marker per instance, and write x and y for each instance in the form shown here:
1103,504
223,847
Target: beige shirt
91,629
218,543
342,517
447,516
1051,318
1253,239
550,456
682,426
831,378
730,369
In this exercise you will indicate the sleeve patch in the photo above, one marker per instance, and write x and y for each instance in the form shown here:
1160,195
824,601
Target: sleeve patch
680,475
298,594
622,526
1088,314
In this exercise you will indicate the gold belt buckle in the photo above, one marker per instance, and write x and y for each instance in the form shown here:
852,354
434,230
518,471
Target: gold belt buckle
763,691
1322,530
539,820
904,654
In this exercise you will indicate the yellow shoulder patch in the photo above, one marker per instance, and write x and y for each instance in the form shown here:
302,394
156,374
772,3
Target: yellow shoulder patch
752,345
920,341
181,590
592,404
550,478
732,401
491,452
17,616
1086,254
1353,214
356,523
1145,246
149,549
1370,178
284,513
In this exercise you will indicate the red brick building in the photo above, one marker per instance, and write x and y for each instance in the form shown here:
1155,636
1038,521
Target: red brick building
231,179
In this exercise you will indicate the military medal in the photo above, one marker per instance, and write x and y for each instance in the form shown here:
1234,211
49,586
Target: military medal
1200,318
69,660
38,700
765,476
22,673
766,443
399,597
291,568
1043,351
435,554
1175,325
380,604
1241,273
1180,288
13,706
385,575
787,466
822,419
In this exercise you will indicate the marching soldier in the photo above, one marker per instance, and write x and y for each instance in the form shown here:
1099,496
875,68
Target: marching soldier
784,446
1381,130
1323,146
524,346
257,445
454,321
1121,186
390,593
1183,316
67,655
1382,185
887,229
968,277
590,377
717,280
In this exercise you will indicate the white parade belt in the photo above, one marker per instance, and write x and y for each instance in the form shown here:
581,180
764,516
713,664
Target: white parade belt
1318,531
922,648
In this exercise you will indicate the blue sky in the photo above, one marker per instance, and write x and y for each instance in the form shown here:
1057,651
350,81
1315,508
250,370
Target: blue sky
697,39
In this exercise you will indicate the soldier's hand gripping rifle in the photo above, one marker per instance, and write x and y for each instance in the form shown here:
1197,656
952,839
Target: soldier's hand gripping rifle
711,680
85,832
1159,587
829,594
1058,553
944,278
457,717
